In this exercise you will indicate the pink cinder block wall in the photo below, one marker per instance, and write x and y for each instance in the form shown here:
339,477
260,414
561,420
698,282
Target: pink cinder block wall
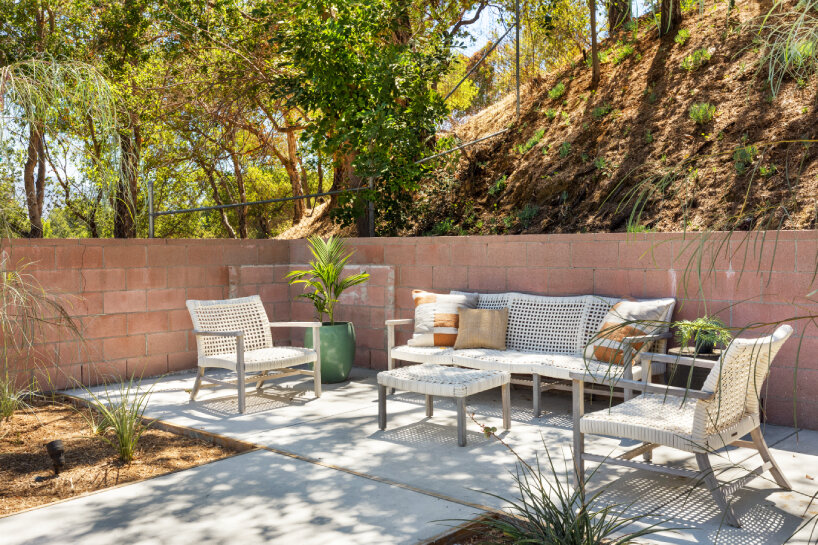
129,295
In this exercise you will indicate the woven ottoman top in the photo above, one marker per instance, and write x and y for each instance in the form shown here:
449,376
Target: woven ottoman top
440,380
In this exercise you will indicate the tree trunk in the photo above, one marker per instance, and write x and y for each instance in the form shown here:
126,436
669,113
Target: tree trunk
125,205
291,166
242,210
671,16
619,13
594,48
35,184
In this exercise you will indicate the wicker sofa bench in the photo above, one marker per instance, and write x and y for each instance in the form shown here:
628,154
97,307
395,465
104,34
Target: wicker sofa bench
545,339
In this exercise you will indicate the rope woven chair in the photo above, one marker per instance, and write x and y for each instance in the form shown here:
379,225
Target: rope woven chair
234,334
696,421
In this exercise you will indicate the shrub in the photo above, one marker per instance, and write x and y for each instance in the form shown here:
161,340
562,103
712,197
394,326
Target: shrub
695,60
702,112
743,157
443,228
498,187
527,215
602,110
565,149
121,416
682,36
557,91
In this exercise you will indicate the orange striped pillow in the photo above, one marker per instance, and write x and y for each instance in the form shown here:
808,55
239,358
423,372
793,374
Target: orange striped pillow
626,319
436,317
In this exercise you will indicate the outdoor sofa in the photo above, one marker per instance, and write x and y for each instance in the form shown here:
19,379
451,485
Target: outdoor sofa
546,338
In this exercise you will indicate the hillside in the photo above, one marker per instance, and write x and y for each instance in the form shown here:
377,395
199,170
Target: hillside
577,160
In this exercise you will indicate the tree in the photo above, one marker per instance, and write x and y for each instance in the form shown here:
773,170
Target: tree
670,16
594,47
619,13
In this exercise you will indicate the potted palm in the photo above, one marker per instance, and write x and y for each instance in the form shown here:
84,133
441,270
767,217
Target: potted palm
323,285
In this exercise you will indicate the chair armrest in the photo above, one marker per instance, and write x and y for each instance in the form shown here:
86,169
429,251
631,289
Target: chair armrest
646,338
401,321
641,386
294,324
218,333
684,360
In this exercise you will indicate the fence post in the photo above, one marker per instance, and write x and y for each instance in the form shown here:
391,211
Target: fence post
150,209
371,212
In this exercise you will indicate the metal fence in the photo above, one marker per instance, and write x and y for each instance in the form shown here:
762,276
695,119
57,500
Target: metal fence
153,214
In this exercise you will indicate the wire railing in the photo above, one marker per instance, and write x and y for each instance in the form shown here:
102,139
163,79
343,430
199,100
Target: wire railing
153,214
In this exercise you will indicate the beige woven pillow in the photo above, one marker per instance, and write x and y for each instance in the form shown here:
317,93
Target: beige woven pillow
482,328
626,319
436,317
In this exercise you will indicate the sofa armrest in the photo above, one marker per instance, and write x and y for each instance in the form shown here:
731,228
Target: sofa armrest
294,324
684,360
646,338
198,332
390,337
401,321
581,376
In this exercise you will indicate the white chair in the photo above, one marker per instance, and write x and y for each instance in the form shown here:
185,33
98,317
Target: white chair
235,334
696,421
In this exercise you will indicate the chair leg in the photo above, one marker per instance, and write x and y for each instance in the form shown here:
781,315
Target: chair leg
381,407
536,394
767,456
197,384
715,490
260,381
578,410
430,406
506,391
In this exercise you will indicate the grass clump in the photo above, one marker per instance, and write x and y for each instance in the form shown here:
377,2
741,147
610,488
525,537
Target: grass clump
557,91
498,187
565,149
702,112
533,141
621,53
527,214
695,60
12,398
648,137
602,110
743,157
121,422
682,36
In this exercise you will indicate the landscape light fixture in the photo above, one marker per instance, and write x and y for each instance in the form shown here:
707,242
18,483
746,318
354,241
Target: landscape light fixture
57,453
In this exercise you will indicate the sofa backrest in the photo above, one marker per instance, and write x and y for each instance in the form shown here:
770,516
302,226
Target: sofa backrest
563,325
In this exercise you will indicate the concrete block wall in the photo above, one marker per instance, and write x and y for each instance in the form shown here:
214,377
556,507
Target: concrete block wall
129,295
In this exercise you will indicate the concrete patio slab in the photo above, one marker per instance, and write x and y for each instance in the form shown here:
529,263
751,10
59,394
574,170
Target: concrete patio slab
339,433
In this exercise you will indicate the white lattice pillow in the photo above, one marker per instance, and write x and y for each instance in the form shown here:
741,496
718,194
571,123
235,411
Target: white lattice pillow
627,319
436,317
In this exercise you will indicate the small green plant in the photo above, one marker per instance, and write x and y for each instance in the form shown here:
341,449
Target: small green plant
527,215
443,228
324,277
695,60
533,141
12,398
767,170
557,91
121,415
565,149
682,36
622,53
600,163
706,333
550,114
602,110
702,112
648,137
498,187
634,227
743,157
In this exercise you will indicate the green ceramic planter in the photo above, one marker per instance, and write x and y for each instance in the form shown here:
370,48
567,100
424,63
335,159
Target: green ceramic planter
337,350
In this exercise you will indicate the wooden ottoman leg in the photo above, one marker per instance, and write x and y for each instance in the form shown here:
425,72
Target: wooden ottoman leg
461,421
506,389
536,394
430,405
382,407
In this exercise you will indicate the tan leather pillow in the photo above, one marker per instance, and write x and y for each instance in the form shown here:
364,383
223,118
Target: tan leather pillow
482,328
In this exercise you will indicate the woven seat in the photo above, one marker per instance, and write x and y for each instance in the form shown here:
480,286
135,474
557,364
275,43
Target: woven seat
440,355
263,358
555,366
234,334
438,380
701,422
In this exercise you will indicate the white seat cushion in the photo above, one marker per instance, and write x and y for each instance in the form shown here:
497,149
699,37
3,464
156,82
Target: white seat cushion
442,380
657,418
263,359
556,366
440,355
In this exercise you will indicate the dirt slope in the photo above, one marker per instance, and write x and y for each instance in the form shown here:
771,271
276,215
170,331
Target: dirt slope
571,162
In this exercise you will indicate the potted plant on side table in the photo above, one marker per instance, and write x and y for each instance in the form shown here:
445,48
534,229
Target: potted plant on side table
697,338
323,286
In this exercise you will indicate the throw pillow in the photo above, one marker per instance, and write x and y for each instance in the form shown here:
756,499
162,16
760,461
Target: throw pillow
436,317
482,328
626,319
